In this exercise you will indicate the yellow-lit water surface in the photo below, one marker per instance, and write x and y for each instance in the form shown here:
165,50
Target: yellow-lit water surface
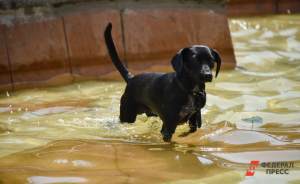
71,134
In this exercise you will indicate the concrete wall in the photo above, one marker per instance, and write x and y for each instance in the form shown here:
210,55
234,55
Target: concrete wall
5,70
261,7
50,46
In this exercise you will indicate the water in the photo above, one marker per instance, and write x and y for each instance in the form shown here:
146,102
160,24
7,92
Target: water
71,134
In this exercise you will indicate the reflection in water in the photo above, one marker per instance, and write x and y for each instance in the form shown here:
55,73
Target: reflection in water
106,162
72,133
46,180
262,156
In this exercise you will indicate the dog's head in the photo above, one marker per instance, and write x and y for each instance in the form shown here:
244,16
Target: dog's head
197,62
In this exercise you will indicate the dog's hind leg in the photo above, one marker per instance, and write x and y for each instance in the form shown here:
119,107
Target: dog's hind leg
128,110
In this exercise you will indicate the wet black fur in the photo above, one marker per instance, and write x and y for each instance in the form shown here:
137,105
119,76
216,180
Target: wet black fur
175,97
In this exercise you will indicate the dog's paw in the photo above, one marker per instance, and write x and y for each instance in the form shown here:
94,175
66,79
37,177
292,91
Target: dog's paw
167,138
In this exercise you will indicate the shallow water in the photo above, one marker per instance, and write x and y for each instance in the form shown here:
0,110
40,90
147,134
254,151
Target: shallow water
71,134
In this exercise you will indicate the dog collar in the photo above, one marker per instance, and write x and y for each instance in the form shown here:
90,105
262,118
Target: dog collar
195,92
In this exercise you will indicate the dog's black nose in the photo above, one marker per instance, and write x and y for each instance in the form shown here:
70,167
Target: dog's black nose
206,73
208,77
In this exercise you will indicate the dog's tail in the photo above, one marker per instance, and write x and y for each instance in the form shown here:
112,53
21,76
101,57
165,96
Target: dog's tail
114,55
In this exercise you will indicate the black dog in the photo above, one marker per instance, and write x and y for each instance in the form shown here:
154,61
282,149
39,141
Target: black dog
175,97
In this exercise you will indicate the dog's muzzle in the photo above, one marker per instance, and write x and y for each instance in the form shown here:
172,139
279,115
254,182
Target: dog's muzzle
204,78
206,73
208,77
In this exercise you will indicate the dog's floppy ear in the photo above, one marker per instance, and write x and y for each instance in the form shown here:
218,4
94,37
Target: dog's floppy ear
177,60
217,59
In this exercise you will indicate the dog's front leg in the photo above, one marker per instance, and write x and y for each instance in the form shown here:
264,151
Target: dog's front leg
199,119
195,121
167,130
